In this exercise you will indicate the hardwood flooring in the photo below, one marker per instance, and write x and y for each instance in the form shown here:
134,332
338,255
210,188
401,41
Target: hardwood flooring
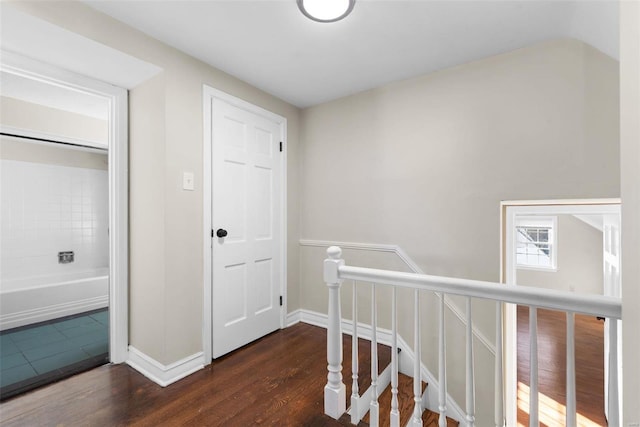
589,350
277,380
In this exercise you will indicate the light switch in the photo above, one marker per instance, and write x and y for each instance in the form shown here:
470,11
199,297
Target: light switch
187,181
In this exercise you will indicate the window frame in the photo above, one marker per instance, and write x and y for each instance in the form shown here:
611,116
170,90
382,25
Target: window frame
547,222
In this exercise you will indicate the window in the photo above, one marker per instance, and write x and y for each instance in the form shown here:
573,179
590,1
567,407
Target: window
536,242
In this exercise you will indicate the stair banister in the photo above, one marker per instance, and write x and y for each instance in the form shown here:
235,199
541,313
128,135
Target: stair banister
442,368
373,407
355,396
395,412
499,382
594,305
571,371
416,418
471,386
335,390
533,369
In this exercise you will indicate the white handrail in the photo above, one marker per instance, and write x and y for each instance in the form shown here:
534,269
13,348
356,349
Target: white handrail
593,305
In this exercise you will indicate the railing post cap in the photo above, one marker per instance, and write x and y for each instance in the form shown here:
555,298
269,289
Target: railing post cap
334,252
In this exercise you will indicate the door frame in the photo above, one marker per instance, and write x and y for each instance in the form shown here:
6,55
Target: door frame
508,211
208,95
117,150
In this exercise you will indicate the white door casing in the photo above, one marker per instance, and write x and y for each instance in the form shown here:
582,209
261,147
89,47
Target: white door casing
247,202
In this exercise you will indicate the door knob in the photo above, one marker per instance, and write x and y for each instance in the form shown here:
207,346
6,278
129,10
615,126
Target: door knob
221,232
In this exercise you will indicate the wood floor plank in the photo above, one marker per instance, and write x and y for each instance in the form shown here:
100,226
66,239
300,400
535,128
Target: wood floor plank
275,381
589,350
405,402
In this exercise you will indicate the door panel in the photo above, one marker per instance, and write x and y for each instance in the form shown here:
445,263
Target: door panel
246,202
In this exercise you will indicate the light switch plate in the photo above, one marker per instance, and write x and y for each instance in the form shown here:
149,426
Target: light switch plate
187,181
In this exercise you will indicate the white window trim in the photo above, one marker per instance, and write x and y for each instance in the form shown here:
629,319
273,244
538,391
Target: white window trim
542,222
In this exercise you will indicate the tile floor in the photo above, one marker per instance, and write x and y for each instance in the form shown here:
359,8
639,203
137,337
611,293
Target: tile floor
44,350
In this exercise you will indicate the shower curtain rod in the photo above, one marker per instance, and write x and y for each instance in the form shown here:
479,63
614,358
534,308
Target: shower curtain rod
87,147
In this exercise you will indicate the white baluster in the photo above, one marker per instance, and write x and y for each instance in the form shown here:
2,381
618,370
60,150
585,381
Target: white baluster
395,411
442,367
355,396
533,367
471,387
499,385
613,402
416,418
374,408
335,391
571,371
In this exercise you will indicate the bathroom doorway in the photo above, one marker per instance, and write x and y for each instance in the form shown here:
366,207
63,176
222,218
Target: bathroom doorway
63,217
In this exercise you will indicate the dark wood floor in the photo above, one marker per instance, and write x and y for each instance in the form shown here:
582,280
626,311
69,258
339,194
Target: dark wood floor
275,381
589,349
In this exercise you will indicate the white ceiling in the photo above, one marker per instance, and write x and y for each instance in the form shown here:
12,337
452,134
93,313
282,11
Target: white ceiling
271,45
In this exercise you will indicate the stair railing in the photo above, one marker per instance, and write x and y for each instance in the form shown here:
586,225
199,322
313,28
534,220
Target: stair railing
335,271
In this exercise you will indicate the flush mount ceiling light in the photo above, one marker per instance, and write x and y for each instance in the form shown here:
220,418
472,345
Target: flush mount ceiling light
326,10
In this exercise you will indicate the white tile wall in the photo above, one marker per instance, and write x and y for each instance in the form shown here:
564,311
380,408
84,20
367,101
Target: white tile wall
46,209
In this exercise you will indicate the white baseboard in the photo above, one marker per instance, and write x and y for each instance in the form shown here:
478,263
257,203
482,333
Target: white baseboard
164,375
41,314
405,361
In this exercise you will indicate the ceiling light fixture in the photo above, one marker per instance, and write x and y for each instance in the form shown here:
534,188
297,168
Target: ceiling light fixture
326,10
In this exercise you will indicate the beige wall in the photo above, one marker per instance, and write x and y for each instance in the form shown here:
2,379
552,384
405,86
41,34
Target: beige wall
630,148
424,164
580,260
26,115
166,261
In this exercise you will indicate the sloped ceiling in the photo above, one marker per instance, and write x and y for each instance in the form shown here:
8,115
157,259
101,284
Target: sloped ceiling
272,46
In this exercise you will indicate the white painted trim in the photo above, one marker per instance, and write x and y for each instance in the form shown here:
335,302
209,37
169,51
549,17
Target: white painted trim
293,318
508,211
28,133
208,93
405,361
41,314
413,266
561,202
118,182
160,374
207,301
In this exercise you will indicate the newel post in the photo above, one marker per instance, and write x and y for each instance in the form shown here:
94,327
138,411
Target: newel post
335,402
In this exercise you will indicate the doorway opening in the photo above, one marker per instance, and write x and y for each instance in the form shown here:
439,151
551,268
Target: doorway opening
64,214
568,245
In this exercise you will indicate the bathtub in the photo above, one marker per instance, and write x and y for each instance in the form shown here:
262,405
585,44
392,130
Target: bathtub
32,300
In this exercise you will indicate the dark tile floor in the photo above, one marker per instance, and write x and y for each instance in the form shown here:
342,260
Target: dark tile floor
45,350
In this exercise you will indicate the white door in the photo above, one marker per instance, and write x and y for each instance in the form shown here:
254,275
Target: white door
246,204
612,287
